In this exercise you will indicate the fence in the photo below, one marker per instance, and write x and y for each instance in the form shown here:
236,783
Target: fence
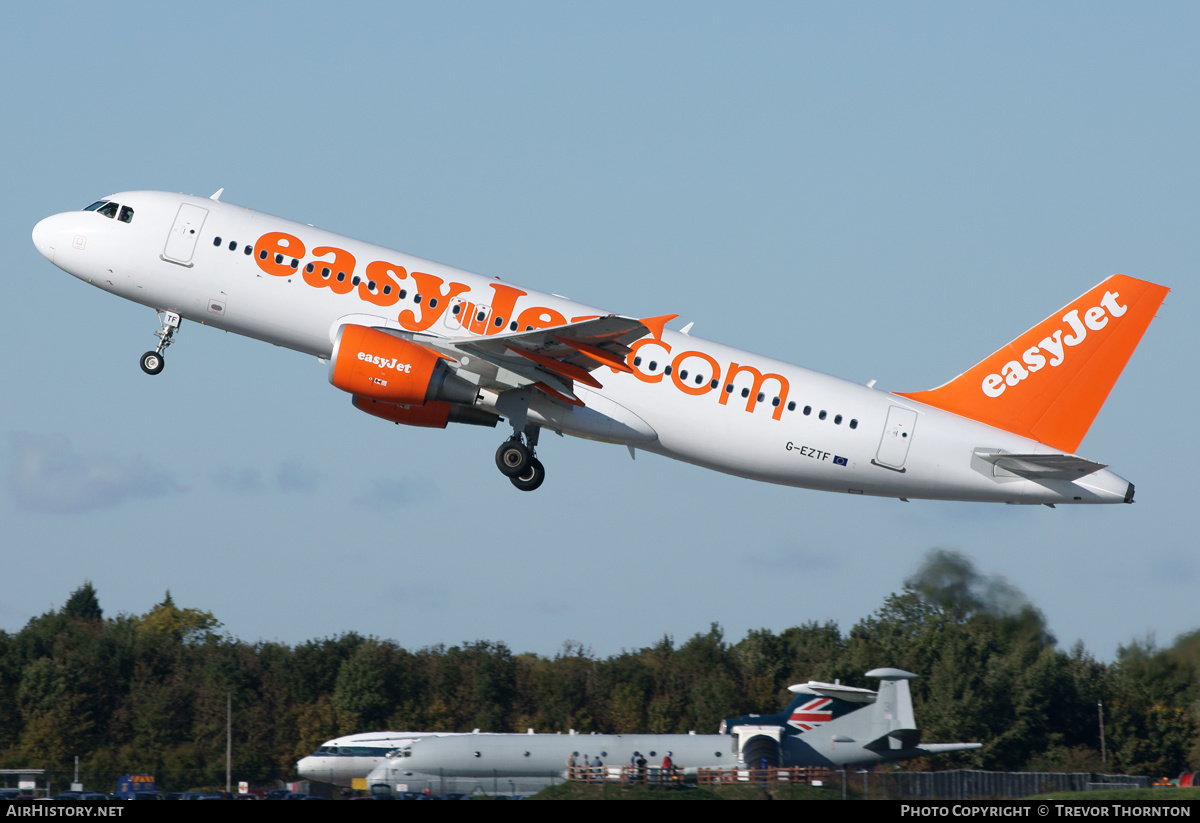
964,784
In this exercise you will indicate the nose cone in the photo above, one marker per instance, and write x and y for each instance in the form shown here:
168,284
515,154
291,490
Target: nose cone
44,237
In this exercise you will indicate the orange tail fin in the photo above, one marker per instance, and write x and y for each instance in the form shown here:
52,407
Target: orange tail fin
1050,382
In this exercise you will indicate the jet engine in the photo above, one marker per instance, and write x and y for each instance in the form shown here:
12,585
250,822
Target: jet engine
433,415
372,364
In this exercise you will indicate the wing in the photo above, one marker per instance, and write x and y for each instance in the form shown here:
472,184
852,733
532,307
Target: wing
551,360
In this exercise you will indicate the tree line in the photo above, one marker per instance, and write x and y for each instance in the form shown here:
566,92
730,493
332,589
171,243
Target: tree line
149,693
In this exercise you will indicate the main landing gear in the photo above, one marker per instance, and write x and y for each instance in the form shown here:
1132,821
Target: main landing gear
517,462
152,361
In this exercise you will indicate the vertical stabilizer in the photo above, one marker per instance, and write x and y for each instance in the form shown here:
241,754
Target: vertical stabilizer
892,724
1049,383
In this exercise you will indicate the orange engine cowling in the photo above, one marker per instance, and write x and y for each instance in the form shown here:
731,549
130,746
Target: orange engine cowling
433,415
375,365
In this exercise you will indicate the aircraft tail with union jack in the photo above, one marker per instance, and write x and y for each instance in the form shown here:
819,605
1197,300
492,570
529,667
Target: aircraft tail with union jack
837,724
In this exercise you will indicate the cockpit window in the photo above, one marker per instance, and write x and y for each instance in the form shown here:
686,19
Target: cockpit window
110,210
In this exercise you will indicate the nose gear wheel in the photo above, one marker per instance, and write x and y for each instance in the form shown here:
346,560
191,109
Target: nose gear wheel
153,361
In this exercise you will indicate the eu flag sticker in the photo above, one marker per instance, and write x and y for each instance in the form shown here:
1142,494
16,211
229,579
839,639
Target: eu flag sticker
839,461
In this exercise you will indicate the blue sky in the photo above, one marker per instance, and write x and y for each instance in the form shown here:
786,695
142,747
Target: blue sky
879,191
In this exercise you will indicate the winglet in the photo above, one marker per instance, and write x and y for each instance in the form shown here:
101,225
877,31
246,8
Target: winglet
1049,383
657,324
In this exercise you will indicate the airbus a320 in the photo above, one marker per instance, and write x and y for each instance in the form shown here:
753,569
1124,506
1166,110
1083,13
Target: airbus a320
422,344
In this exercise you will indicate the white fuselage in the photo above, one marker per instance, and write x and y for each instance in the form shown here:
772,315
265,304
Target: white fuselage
342,760
780,423
530,762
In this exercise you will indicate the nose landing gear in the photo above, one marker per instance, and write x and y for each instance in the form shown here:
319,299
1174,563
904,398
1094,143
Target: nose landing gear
152,362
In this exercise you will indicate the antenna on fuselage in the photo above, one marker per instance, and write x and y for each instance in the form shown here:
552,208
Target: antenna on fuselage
216,195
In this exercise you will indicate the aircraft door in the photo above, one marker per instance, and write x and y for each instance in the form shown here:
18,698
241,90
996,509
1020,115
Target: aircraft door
897,437
181,242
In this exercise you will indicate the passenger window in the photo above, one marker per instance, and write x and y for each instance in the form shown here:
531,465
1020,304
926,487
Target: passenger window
233,245
853,424
126,215
216,241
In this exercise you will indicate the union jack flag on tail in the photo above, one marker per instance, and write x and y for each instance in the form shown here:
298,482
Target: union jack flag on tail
811,714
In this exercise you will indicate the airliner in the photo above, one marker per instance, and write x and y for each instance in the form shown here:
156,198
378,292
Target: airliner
827,725
342,760
422,344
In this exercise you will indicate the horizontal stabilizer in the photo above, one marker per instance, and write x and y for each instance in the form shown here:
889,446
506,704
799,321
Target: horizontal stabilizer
1043,466
942,748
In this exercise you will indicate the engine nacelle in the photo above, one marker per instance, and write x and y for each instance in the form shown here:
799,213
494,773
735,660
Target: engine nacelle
433,415
378,366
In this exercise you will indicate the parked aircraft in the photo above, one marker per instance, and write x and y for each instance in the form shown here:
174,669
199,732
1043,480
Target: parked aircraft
826,724
341,760
422,344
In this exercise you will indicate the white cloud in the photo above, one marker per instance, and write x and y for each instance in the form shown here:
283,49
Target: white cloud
47,475
389,494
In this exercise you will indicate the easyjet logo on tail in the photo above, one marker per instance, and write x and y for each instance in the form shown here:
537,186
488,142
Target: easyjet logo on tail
1049,383
1055,345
